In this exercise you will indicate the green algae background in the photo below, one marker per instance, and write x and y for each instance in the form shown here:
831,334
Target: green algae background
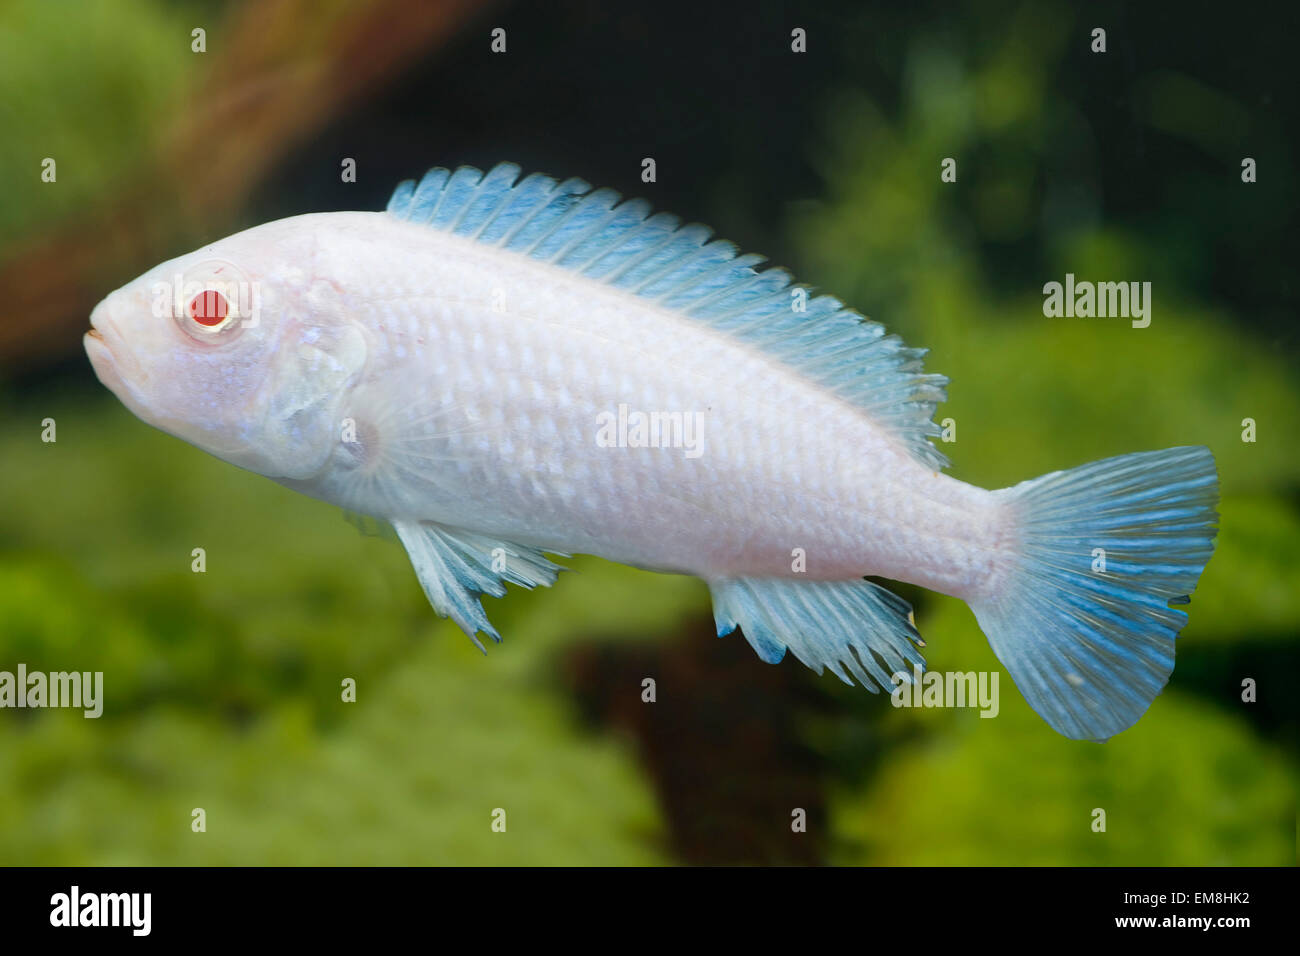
223,689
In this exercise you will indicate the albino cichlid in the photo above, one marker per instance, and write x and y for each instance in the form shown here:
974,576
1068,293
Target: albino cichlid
502,367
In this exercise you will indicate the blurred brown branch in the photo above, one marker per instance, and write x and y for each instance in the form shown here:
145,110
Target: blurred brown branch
284,68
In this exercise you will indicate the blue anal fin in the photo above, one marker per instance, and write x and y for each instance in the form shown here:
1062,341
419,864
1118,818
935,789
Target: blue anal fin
457,567
850,627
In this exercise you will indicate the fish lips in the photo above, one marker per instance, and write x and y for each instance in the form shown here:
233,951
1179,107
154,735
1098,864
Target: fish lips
111,360
100,352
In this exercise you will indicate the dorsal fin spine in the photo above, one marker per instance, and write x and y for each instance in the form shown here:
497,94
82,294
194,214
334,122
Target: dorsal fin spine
456,198
487,220
541,201
628,266
627,219
502,177
400,202
558,201
571,213
671,297
594,228
685,236
746,261
571,228
431,182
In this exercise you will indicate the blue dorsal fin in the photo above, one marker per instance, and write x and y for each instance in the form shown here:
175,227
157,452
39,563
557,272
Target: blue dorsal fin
591,232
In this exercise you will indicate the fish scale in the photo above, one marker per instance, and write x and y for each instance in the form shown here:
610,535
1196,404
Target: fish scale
463,366
755,421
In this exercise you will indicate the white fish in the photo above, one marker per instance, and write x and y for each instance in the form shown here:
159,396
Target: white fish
502,367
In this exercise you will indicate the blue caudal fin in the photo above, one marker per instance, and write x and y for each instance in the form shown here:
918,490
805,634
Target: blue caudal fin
1090,648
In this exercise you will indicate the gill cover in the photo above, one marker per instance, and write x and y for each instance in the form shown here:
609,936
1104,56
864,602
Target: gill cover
310,374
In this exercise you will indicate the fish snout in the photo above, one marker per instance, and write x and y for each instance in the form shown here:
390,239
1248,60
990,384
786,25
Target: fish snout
98,315
114,321
105,344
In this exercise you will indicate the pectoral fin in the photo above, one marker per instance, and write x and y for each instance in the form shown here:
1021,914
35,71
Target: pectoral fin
456,567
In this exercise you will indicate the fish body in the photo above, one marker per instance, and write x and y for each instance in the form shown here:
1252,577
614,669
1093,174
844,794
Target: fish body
502,368
488,377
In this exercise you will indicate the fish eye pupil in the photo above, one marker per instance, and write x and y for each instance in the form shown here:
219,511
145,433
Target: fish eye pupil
209,308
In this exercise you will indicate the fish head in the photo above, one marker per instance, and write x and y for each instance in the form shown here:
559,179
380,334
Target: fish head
237,348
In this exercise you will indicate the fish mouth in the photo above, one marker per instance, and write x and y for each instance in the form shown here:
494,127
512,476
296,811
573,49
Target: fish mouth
101,358
99,349
96,321
113,372
104,332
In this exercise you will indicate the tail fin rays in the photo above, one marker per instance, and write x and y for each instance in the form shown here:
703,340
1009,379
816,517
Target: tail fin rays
1082,620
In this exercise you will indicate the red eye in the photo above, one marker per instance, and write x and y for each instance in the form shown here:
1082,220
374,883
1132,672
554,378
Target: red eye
209,308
